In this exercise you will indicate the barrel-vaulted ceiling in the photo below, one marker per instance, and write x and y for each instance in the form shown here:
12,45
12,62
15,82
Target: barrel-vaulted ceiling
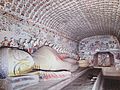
77,18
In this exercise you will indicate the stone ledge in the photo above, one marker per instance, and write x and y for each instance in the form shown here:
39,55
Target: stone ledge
62,84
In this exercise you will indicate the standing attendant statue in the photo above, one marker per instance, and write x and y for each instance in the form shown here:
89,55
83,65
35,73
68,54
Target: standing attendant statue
5,42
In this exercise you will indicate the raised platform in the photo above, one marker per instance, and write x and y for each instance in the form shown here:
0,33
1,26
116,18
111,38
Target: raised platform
110,71
56,84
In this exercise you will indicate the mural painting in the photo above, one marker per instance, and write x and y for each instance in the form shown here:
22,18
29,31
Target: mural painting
23,34
88,47
103,60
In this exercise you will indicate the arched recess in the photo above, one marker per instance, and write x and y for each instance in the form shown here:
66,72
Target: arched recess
103,59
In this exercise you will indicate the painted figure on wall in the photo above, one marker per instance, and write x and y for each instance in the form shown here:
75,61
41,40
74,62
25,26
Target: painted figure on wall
117,61
97,45
92,46
103,46
107,46
118,56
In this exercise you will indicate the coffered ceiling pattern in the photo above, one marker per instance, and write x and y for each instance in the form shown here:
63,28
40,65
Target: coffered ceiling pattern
76,18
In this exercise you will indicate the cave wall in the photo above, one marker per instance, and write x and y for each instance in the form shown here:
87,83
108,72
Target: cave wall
15,32
88,47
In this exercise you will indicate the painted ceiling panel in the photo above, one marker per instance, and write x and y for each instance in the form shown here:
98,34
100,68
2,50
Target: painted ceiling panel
75,18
